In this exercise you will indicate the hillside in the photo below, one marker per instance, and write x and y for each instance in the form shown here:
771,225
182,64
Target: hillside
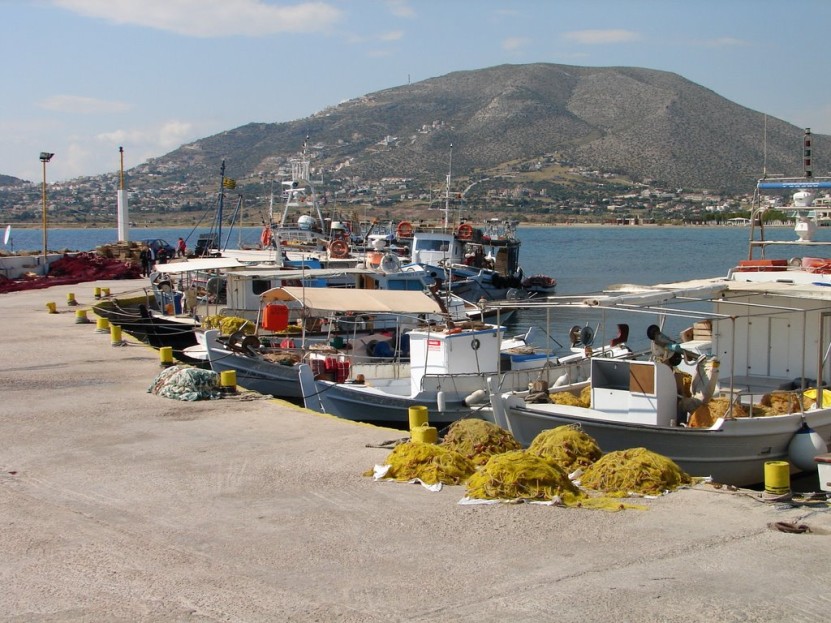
642,123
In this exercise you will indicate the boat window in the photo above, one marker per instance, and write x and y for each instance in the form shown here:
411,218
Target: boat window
258,286
432,245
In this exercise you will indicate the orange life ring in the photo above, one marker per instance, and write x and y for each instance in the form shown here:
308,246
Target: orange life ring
338,249
265,236
465,231
404,229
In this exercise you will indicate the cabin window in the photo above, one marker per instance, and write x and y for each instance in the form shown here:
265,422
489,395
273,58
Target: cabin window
258,286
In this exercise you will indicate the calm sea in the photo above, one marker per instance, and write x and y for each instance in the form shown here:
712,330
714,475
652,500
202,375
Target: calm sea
582,259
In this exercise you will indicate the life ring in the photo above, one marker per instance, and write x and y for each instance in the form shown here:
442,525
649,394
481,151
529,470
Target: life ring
265,236
465,231
404,229
338,249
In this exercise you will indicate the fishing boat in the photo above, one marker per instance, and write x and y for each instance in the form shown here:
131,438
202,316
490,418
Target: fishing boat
758,345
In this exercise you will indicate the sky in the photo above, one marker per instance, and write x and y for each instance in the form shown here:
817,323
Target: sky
82,78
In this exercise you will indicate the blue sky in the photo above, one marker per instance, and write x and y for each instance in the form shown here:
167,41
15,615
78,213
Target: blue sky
83,77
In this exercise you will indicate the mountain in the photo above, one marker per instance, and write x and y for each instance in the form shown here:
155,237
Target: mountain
643,124
8,180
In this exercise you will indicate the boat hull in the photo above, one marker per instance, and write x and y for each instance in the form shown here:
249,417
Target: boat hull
363,403
731,452
259,375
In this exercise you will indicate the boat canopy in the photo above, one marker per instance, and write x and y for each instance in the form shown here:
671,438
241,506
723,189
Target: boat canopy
350,300
800,184
199,264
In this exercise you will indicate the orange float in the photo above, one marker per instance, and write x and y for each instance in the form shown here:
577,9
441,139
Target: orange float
404,229
338,249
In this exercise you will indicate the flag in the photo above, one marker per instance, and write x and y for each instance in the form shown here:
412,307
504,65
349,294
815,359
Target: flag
229,182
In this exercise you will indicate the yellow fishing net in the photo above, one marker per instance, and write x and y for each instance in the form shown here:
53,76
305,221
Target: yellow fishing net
478,440
228,324
567,398
785,402
635,470
520,475
430,463
567,446
706,415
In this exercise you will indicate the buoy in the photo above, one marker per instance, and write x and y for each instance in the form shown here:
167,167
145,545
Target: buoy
425,434
480,396
441,402
115,336
81,316
70,299
418,416
166,356
52,308
777,477
96,292
804,446
102,325
228,381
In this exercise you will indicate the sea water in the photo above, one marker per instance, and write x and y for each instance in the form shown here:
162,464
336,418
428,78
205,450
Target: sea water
583,259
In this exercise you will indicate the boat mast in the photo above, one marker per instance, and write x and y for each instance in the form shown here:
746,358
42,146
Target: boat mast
447,190
221,200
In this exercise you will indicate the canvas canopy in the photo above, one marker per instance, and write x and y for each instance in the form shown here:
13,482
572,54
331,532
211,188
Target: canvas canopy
199,264
350,300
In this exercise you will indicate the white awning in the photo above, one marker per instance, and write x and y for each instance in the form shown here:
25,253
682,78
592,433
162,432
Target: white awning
196,264
349,300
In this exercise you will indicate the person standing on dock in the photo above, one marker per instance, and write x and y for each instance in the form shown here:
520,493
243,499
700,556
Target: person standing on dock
144,258
181,248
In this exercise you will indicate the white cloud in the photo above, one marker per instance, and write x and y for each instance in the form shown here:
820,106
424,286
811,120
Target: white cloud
393,35
82,105
512,44
210,18
400,8
601,37
725,42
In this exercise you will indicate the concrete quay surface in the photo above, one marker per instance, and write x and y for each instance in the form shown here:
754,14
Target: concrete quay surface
119,505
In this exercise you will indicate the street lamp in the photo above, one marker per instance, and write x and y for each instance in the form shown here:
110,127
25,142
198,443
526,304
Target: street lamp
45,157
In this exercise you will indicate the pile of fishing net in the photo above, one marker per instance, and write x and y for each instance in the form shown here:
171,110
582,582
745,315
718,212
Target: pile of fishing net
636,470
522,475
228,325
781,403
74,268
707,414
283,357
478,440
583,399
567,446
430,463
186,383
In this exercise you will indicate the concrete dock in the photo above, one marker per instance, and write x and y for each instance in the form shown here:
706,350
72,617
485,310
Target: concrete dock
119,505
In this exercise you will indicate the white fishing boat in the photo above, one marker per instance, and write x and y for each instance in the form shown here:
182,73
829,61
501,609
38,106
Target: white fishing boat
762,334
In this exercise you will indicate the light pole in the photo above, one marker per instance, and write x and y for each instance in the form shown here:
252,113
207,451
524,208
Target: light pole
45,157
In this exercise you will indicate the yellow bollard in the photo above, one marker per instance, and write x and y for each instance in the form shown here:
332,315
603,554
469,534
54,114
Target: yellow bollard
425,434
70,299
105,292
102,325
52,308
166,356
96,292
228,381
115,336
418,416
777,477
81,316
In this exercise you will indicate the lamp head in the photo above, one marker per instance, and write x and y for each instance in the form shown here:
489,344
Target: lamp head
45,156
